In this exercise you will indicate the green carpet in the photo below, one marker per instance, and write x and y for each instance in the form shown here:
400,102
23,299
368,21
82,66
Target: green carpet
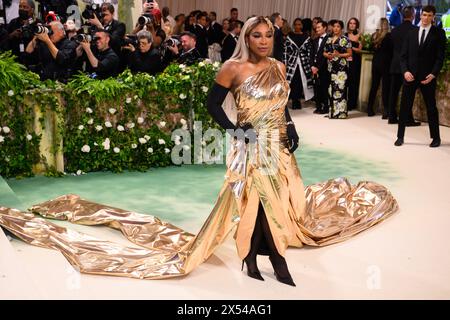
182,195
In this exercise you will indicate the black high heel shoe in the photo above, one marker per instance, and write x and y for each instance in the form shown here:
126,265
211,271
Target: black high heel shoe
282,267
255,274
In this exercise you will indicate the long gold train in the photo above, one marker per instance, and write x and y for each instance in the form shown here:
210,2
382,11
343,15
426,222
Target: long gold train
336,211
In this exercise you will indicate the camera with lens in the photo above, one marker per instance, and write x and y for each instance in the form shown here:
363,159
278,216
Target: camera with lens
83,37
146,19
130,39
172,42
40,29
92,9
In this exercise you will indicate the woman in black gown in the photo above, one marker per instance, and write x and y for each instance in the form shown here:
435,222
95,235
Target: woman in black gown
354,74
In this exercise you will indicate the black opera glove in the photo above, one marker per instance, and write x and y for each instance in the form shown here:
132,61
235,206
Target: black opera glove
293,139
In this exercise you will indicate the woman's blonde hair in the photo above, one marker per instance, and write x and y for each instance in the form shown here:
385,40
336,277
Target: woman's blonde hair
242,52
381,33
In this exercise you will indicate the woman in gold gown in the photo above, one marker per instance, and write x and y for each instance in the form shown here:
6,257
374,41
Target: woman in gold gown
263,194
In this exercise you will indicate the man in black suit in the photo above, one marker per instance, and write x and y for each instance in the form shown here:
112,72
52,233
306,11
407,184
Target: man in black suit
230,41
421,61
215,29
278,44
398,37
115,28
202,34
320,69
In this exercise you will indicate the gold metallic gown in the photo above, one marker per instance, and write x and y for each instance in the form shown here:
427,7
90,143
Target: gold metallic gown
264,172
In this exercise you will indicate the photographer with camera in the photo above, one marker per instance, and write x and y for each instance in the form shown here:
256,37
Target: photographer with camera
115,28
19,33
53,50
103,62
189,54
144,58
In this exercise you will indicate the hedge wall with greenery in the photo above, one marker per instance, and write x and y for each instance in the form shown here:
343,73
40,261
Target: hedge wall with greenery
122,123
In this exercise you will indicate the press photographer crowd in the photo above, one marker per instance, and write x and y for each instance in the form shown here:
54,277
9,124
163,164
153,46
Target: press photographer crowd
53,47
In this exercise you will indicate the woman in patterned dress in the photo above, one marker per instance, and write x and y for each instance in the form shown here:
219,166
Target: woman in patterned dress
337,49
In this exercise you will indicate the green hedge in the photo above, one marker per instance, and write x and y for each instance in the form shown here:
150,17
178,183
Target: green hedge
122,123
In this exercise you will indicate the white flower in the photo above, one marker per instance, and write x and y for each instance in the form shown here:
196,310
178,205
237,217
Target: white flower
106,144
112,110
162,124
80,127
182,121
134,146
89,110
216,64
116,150
207,61
186,148
86,149
6,130
108,124
96,144
161,141
130,125
205,89
182,66
120,128
142,140
167,150
98,128
140,120
128,100
135,97
150,150
183,96
79,172
10,93
29,137
91,121
146,137
2,138
201,64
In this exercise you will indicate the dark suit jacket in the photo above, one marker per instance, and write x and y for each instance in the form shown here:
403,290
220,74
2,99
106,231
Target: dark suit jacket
278,45
398,38
229,44
317,58
202,41
425,59
117,31
215,34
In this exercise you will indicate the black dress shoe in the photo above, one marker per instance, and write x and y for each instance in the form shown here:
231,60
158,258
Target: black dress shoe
252,271
399,142
413,124
384,117
435,143
286,280
371,114
393,121
317,111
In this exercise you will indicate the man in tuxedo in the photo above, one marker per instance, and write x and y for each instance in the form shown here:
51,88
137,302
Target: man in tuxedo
230,41
398,37
202,34
278,44
319,69
421,61
215,29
